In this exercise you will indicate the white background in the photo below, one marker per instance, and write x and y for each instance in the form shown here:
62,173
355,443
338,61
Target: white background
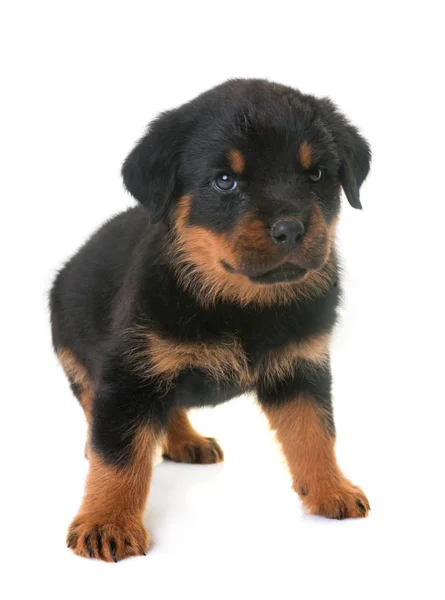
80,80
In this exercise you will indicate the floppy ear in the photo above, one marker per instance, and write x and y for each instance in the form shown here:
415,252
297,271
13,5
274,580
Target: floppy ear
150,171
354,152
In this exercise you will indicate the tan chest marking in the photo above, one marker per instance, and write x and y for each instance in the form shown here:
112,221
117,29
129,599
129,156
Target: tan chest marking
279,364
224,360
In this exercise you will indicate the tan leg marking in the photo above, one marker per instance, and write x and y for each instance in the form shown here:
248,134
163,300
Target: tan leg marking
301,428
109,523
78,375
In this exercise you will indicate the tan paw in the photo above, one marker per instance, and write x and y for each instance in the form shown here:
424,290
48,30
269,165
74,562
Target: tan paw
340,501
199,450
107,539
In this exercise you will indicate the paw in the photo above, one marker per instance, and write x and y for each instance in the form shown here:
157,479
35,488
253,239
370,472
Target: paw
342,501
108,539
199,450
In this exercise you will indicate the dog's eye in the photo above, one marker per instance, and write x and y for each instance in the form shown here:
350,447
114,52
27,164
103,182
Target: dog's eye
225,182
316,175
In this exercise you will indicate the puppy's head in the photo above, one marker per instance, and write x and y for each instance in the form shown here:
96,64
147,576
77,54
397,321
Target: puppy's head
248,176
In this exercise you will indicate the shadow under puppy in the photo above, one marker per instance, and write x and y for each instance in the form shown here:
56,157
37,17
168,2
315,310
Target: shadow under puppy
223,280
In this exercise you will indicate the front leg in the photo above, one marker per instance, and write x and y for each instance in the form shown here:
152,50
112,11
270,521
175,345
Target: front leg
299,408
126,427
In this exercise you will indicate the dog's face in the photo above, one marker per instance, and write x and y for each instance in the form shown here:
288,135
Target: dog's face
249,176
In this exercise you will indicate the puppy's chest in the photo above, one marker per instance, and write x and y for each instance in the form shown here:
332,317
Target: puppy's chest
232,356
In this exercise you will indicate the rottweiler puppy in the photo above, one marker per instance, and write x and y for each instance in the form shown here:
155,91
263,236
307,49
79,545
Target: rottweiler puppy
223,280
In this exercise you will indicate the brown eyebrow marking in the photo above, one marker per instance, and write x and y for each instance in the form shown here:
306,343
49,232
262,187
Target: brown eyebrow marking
237,162
305,155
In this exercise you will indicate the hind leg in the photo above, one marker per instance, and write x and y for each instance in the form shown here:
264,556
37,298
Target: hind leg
184,444
80,384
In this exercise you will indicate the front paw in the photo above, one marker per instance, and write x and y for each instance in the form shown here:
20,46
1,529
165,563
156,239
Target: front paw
106,538
336,501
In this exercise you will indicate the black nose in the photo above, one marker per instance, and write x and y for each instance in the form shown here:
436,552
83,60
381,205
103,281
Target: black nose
287,233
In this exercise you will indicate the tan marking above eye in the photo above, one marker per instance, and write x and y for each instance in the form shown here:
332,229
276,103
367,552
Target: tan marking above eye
305,155
236,161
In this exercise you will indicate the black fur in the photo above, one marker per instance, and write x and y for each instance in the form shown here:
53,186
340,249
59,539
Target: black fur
123,277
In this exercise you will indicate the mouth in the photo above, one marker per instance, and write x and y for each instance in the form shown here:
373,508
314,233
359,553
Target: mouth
285,273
